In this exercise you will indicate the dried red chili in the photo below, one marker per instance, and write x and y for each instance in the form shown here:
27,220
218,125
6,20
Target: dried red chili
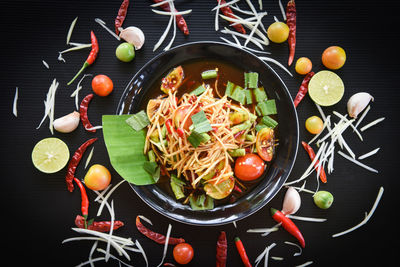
242,252
123,10
229,13
303,88
74,161
180,21
291,22
83,108
84,197
159,238
91,58
222,249
311,154
103,226
288,225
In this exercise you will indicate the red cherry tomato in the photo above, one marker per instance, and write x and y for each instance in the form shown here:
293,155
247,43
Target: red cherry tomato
249,167
183,253
102,85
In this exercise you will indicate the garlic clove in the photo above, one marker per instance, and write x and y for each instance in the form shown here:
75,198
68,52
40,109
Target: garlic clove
357,103
291,202
67,123
133,35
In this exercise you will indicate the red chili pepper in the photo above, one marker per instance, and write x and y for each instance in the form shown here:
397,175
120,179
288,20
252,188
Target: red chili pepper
180,132
311,154
159,238
291,22
103,226
91,58
242,252
303,88
74,161
123,9
288,225
180,21
222,248
84,197
83,108
168,124
229,13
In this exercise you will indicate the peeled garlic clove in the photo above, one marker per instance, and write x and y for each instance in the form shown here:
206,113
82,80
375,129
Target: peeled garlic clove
357,103
291,202
133,35
67,123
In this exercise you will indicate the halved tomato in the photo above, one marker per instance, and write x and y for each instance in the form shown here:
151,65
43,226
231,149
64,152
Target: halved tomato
179,116
152,107
265,143
173,80
220,190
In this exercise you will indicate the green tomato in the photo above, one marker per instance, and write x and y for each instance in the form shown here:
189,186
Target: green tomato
125,52
323,199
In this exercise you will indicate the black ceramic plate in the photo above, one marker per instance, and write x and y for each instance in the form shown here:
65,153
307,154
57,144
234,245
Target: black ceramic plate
288,134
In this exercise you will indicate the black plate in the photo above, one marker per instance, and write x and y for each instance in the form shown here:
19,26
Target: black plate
280,167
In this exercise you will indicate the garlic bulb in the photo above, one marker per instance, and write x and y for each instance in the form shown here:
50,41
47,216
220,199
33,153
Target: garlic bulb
67,123
357,103
291,202
133,35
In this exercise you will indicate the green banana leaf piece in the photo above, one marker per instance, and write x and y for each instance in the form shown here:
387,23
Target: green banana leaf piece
125,149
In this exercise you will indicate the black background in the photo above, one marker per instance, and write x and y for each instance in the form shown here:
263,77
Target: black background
37,210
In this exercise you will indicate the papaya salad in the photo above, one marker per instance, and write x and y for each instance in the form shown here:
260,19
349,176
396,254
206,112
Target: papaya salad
211,138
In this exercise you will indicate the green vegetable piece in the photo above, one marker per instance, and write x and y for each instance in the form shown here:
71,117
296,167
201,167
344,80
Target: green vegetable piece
229,89
252,80
153,169
241,127
196,138
269,122
323,199
201,202
259,94
138,121
209,74
201,123
267,107
177,186
239,152
198,91
258,111
239,95
249,137
151,155
249,97
125,149
260,126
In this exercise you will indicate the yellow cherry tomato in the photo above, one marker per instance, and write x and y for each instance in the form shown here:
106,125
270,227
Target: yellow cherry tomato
314,124
334,57
303,65
278,32
97,178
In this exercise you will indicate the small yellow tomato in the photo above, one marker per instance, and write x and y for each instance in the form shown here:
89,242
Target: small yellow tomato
314,124
303,65
278,32
97,177
334,57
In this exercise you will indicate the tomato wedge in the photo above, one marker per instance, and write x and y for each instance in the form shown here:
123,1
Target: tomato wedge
173,80
265,143
220,190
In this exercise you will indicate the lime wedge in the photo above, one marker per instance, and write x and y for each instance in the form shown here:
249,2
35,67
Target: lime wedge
50,155
326,88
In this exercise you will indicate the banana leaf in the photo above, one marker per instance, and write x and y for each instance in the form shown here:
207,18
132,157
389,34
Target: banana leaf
125,149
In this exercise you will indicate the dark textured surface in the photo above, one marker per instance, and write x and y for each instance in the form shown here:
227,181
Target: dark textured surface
38,211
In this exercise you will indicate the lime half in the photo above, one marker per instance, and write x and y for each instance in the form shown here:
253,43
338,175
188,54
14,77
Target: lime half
326,88
50,155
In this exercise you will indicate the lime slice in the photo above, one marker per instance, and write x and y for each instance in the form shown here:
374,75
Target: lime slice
50,155
326,88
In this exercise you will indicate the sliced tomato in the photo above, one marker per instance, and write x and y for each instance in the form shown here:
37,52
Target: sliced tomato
173,80
265,143
220,190
152,107
179,116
